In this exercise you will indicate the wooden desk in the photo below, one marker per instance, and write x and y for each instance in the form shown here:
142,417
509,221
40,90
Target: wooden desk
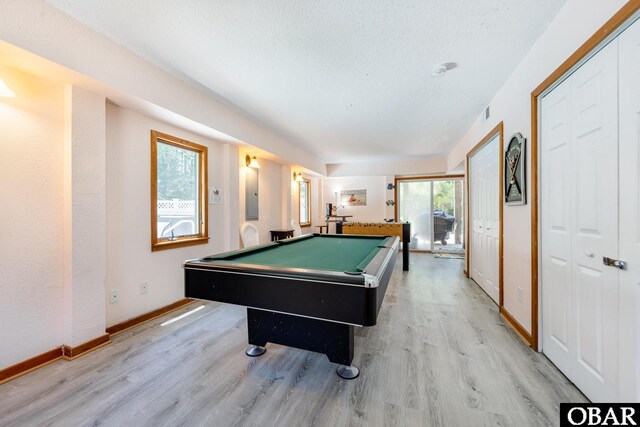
402,230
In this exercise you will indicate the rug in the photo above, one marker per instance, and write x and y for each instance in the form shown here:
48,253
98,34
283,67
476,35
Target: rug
449,256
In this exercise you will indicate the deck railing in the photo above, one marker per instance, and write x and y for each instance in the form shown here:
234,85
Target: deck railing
176,207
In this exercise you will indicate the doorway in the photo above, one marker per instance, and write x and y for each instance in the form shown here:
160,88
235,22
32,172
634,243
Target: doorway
435,208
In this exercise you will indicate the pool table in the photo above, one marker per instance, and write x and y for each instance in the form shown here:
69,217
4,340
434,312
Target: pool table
307,292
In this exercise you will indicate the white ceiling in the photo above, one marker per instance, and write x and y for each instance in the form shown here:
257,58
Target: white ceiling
347,80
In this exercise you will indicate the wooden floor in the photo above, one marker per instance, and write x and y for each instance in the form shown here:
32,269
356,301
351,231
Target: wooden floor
440,355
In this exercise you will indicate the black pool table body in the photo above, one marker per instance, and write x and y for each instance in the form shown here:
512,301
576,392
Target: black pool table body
307,308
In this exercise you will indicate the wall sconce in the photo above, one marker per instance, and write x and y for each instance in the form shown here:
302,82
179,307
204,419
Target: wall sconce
5,91
252,162
298,176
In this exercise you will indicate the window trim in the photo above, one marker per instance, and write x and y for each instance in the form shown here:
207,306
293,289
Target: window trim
309,223
159,244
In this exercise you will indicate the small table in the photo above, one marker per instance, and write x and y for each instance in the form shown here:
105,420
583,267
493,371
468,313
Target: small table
338,219
343,218
322,227
280,234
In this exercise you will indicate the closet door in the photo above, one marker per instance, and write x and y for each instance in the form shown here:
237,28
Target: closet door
558,339
476,198
492,220
579,203
595,158
484,214
629,45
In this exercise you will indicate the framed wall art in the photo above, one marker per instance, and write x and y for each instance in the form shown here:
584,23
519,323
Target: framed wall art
353,198
515,186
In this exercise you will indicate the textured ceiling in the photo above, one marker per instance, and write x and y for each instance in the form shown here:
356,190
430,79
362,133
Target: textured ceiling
346,80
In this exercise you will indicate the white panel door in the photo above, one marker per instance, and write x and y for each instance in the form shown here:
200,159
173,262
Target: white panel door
580,180
629,45
492,219
485,222
595,227
558,341
476,195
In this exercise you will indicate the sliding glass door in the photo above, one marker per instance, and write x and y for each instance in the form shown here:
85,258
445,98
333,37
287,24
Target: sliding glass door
415,207
435,209
448,214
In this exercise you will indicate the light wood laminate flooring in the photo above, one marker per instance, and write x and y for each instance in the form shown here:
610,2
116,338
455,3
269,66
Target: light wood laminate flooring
439,356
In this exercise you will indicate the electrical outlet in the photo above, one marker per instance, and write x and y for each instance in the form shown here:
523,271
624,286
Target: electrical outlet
520,295
115,297
144,287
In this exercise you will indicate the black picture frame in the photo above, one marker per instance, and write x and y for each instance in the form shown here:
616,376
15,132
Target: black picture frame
515,171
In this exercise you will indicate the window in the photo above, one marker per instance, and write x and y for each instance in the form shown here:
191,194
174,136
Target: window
178,192
304,202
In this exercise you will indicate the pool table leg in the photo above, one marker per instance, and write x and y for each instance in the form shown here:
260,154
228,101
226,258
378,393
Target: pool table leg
333,339
255,351
348,372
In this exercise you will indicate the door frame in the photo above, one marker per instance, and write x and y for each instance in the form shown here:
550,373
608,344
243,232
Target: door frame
499,132
609,31
423,178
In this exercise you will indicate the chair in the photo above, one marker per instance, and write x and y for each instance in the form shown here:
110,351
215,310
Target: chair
297,231
249,235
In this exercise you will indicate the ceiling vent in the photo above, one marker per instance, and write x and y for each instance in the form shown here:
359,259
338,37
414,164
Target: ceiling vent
486,114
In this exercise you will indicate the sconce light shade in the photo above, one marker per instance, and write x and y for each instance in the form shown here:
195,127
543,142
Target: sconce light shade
5,91
298,176
252,162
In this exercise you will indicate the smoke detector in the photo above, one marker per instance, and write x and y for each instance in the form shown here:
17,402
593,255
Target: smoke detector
439,70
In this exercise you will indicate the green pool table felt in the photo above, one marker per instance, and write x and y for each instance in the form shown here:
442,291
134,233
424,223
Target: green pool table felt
333,253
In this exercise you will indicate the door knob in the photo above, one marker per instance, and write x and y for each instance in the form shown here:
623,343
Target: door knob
616,263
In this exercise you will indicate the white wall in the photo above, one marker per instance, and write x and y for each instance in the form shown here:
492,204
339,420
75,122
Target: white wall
317,204
376,186
287,190
421,166
270,201
46,216
84,213
576,22
231,186
129,258
31,218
